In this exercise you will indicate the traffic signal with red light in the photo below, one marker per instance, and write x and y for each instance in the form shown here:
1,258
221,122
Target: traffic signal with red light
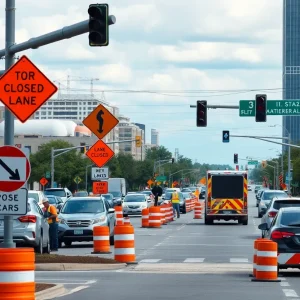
202,113
261,108
235,158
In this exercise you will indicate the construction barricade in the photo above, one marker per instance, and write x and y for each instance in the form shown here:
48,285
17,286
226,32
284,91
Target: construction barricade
119,215
17,267
289,259
188,205
266,262
255,255
198,210
154,217
163,212
124,244
145,217
101,240
126,221
171,212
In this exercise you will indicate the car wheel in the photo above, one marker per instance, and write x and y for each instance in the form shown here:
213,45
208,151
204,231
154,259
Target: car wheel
184,209
59,244
47,248
68,243
259,215
39,247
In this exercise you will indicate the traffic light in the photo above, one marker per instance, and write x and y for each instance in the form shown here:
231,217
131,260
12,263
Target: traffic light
263,163
261,108
98,25
138,141
235,158
82,149
226,136
202,113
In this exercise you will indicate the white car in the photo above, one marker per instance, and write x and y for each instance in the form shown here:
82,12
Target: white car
38,196
133,204
249,188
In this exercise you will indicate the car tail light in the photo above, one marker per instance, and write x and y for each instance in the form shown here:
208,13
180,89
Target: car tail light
272,214
27,219
281,234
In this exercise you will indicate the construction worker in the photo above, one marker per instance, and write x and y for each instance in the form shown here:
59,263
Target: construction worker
50,213
175,203
196,193
157,192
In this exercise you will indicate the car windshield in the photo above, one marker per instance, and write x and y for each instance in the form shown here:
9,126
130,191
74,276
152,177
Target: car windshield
146,193
35,196
227,186
286,203
116,194
267,196
60,192
83,207
193,189
51,200
106,196
290,218
186,195
134,198
168,196
81,194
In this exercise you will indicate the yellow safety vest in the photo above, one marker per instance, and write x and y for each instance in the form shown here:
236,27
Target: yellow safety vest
51,210
175,198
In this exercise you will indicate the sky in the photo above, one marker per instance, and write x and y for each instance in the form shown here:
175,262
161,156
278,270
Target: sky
166,55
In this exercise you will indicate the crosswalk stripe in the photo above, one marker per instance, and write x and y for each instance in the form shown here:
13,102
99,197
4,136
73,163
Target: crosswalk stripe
194,260
239,260
150,260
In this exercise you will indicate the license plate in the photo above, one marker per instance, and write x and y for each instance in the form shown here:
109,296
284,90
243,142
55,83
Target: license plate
227,212
78,232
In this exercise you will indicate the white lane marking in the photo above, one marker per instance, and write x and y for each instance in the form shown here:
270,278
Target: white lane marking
214,245
194,260
150,260
239,260
290,293
75,290
284,283
182,226
65,281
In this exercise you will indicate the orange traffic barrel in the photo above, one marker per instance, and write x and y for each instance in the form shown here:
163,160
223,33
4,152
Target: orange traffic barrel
126,221
154,217
124,244
119,215
255,255
163,211
188,205
266,262
101,240
17,267
198,210
145,217
171,213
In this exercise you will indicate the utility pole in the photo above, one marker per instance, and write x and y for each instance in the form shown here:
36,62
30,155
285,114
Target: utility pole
9,130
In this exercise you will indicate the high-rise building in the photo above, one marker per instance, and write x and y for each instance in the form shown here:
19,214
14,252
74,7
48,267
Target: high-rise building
154,137
291,65
128,131
143,127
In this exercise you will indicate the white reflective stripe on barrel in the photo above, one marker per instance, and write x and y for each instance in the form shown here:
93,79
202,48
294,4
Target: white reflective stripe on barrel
154,221
155,214
145,217
266,253
124,251
124,237
16,276
266,268
101,238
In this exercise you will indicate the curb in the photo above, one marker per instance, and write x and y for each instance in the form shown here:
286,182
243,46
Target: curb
77,267
55,291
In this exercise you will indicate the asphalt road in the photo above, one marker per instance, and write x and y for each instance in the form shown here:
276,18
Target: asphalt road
182,259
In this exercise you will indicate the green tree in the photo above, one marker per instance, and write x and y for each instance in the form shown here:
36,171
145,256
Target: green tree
158,153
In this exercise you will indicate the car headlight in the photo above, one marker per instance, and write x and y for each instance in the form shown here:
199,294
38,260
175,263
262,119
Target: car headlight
62,221
99,220
125,206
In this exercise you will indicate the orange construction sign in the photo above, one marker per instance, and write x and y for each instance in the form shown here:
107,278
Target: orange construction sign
150,182
100,187
100,121
100,153
43,181
24,89
202,180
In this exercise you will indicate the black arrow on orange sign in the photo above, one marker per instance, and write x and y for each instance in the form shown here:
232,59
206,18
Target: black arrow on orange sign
100,120
14,175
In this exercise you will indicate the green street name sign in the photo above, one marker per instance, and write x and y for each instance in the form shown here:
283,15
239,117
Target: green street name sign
253,162
274,108
161,178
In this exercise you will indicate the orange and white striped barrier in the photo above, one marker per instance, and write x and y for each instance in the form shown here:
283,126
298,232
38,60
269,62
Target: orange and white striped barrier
193,203
101,240
255,255
163,211
119,215
288,259
145,217
124,244
188,205
171,213
266,262
154,217
126,221
198,210
17,279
